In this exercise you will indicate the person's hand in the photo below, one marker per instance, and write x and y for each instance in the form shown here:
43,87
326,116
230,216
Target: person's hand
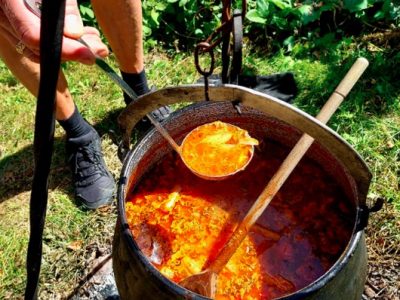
21,28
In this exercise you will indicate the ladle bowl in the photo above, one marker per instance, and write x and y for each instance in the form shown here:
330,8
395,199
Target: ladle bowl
186,141
240,166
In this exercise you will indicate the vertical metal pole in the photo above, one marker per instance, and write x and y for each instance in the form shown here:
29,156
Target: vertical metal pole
52,23
226,15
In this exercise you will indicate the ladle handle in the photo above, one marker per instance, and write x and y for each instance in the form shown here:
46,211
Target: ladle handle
127,89
164,133
287,167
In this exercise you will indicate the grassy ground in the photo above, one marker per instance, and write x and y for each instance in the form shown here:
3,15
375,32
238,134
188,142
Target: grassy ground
73,239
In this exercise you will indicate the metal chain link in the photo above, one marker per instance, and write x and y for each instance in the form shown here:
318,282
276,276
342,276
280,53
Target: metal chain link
214,40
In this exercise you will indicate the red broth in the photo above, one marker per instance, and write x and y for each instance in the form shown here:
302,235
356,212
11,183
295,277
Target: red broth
180,222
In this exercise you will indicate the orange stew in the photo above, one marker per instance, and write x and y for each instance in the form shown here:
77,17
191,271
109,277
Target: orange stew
180,222
217,149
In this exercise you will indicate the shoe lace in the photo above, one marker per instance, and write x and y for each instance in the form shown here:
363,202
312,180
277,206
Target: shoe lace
88,164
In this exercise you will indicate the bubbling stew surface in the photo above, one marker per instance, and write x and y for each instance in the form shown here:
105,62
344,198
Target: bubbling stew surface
180,222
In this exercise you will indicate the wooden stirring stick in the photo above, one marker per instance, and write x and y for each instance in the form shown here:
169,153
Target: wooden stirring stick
205,283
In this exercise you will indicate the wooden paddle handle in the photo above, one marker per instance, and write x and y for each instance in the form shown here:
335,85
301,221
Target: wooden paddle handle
287,167
342,90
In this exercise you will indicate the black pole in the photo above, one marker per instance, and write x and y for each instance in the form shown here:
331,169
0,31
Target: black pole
52,23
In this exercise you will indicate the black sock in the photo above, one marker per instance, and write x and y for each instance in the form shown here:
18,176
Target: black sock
138,82
75,125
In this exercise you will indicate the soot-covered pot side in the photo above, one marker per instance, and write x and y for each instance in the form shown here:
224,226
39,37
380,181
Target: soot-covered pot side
136,278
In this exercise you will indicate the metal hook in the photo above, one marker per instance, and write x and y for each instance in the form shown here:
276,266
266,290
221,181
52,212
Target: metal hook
204,47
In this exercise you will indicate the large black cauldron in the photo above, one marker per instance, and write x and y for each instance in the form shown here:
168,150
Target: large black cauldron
136,278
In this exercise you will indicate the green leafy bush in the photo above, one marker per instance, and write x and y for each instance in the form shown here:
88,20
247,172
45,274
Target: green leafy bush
180,24
286,21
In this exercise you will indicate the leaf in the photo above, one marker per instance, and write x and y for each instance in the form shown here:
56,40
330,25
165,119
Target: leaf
86,11
154,16
355,5
279,21
182,3
146,30
263,8
289,43
254,16
308,14
379,15
282,4
160,6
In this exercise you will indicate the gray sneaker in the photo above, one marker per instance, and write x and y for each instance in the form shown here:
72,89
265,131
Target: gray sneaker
94,185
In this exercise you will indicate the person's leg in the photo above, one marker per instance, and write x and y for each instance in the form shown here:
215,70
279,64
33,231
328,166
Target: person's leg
98,187
121,23
28,73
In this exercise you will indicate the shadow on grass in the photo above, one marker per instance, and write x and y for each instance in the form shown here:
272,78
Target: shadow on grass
16,170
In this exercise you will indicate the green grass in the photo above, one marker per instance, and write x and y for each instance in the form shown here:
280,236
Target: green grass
369,120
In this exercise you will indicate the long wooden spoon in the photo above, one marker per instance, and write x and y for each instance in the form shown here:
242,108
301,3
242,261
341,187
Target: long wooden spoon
205,283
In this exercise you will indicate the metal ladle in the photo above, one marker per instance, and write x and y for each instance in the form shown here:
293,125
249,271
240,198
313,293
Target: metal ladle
35,7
